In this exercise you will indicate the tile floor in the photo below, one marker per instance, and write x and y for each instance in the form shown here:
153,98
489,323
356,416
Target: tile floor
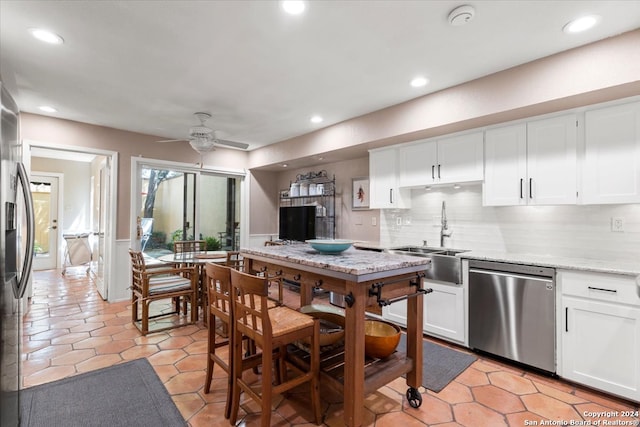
69,329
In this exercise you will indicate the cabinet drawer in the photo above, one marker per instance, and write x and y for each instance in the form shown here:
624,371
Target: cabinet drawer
599,286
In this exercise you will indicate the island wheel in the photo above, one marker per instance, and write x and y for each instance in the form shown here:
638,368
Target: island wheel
414,397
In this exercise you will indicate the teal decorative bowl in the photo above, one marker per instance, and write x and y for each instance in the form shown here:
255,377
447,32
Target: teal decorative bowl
330,246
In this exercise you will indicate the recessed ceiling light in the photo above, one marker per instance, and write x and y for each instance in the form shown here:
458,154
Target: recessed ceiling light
419,81
46,36
316,119
284,165
581,24
47,109
293,7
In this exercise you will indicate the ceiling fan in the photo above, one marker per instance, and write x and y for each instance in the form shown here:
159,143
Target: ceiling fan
203,139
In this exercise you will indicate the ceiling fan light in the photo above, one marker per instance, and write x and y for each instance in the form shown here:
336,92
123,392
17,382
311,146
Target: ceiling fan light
201,145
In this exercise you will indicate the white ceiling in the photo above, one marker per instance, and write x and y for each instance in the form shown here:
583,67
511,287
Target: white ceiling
147,66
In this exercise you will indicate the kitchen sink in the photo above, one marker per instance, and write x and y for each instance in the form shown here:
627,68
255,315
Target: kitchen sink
445,265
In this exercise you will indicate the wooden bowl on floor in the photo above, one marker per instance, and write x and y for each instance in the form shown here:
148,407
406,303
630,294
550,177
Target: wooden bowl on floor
380,338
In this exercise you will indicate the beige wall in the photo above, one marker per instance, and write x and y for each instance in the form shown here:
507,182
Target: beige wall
263,192
127,144
350,224
600,72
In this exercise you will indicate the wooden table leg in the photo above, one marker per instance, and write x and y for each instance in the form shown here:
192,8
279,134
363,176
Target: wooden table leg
354,356
306,293
414,340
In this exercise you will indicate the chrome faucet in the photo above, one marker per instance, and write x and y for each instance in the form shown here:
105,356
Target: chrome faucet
444,230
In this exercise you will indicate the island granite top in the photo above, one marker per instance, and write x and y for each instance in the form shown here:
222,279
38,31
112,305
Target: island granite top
352,261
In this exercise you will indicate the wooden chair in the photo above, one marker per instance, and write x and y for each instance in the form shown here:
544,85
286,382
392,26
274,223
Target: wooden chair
218,280
271,330
181,246
235,260
158,283
192,246
275,280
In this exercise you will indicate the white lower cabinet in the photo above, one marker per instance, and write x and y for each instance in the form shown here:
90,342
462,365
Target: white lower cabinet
600,332
443,314
396,313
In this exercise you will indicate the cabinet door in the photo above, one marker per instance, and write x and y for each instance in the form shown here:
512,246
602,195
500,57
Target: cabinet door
383,181
417,164
551,161
444,312
382,169
460,159
396,313
505,166
601,346
611,172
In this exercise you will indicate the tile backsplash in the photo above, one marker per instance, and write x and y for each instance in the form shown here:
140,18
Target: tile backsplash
582,231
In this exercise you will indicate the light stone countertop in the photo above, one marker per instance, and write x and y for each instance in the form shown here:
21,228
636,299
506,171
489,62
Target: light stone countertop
628,268
352,261
600,266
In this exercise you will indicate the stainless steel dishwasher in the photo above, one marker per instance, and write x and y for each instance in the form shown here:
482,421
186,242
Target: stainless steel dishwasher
512,312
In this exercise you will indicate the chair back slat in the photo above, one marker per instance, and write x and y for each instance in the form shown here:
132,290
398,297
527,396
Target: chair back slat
251,307
137,269
182,246
219,287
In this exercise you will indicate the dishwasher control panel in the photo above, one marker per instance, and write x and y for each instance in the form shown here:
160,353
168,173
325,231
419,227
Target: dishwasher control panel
505,267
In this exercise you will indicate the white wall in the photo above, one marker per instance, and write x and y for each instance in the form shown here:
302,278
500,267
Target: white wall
77,189
582,231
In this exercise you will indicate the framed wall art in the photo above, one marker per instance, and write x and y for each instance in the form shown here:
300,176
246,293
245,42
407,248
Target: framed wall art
360,193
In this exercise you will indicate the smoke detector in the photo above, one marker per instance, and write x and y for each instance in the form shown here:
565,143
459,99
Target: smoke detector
461,15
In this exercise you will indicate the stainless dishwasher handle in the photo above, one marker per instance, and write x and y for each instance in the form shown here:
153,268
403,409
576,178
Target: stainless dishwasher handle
516,275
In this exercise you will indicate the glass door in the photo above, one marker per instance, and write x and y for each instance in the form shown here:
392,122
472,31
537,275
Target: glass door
220,211
44,190
168,209
184,204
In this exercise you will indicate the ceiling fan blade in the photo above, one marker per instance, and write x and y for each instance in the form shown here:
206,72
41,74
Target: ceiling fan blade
173,140
234,144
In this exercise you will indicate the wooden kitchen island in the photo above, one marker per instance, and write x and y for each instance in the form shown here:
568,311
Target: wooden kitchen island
364,278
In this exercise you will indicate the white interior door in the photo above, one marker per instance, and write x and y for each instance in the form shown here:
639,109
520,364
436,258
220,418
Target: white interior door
102,199
45,191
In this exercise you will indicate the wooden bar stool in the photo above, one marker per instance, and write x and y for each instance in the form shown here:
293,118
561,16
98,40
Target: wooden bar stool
235,260
271,330
218,282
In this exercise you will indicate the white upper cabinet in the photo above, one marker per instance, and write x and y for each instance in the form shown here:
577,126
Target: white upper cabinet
505,168
383,181
417,163
445,161
460,158
611,171
551,160
531,163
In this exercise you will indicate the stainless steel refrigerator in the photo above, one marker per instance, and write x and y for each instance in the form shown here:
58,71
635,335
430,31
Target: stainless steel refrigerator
16,256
